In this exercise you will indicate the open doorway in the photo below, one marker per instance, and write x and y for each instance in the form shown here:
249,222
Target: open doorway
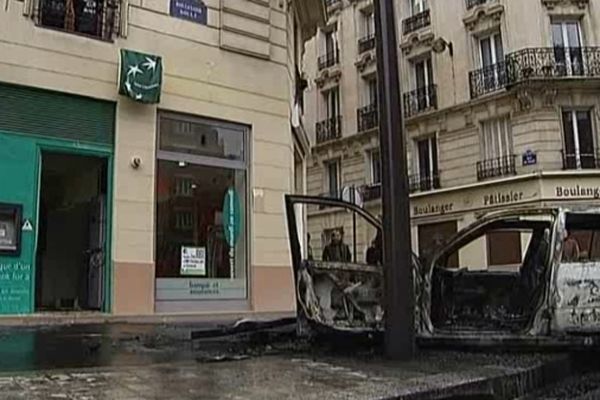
72,233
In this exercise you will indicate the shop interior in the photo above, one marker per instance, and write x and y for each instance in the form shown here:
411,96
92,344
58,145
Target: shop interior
71,233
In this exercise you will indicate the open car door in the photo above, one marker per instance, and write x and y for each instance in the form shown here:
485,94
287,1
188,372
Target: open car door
337,259
337,256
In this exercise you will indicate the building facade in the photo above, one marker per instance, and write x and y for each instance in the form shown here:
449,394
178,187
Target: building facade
501,110
168,197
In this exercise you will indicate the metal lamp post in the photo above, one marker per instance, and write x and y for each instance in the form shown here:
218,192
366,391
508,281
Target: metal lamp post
399,291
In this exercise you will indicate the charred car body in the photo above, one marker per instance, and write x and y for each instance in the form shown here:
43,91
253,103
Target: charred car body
549,296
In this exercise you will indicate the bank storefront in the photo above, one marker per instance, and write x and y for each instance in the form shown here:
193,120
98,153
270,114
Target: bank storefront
56,157
439,215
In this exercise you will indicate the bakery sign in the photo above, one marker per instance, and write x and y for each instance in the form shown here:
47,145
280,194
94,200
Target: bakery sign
500,198
577,192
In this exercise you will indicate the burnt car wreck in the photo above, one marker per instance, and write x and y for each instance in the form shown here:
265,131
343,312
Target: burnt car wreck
540,286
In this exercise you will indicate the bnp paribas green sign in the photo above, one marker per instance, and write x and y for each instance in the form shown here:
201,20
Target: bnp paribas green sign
140,76
232,217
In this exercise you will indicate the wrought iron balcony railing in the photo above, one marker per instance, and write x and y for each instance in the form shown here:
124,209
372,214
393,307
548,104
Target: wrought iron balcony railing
488,79
495,167
420,183
329,129
475,3
366,43
371,192
368,117
329,59
416,22
420,100
586,160
98,18
553,62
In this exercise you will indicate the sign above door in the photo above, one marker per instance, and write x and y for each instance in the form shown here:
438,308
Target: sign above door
140,76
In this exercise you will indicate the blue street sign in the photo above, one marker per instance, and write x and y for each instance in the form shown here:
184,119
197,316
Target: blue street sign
529,158
191,10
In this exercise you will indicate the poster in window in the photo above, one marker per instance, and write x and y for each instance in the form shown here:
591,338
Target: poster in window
193,261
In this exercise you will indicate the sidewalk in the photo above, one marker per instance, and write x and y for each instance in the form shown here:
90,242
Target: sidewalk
160,361
89,318
431,376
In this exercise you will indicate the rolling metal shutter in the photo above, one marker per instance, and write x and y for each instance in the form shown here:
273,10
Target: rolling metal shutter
50,114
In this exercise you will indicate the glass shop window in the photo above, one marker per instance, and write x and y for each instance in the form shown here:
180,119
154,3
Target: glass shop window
201,243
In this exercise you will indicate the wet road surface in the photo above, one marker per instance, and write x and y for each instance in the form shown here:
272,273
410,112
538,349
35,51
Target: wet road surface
79,346
126,362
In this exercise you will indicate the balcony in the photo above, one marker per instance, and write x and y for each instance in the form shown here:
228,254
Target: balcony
416,22
329,129
581,160
418,183
496,167
329,59
368,118
366,43
420,100
488,79
98,19
371,192
549,63
475,3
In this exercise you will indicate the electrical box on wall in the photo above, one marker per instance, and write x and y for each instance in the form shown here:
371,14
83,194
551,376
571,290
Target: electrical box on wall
10,229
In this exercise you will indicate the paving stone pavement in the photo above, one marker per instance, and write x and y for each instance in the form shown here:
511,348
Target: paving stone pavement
262,378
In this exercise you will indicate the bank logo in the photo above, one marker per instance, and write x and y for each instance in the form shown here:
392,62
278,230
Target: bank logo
140,76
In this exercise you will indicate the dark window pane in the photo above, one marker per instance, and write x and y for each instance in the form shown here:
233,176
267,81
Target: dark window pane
198,138
372,91
429,68
499,48
504,248
333,178
434,160
431,239
376,166
88,14
420,74
586,139
189,215
569,150
486,52
424,170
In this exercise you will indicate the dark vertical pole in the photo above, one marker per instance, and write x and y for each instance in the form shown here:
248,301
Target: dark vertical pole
354,222
399,292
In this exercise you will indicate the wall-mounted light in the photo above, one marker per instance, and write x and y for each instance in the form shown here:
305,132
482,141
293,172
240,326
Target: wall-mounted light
440,45
182,164
136,162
